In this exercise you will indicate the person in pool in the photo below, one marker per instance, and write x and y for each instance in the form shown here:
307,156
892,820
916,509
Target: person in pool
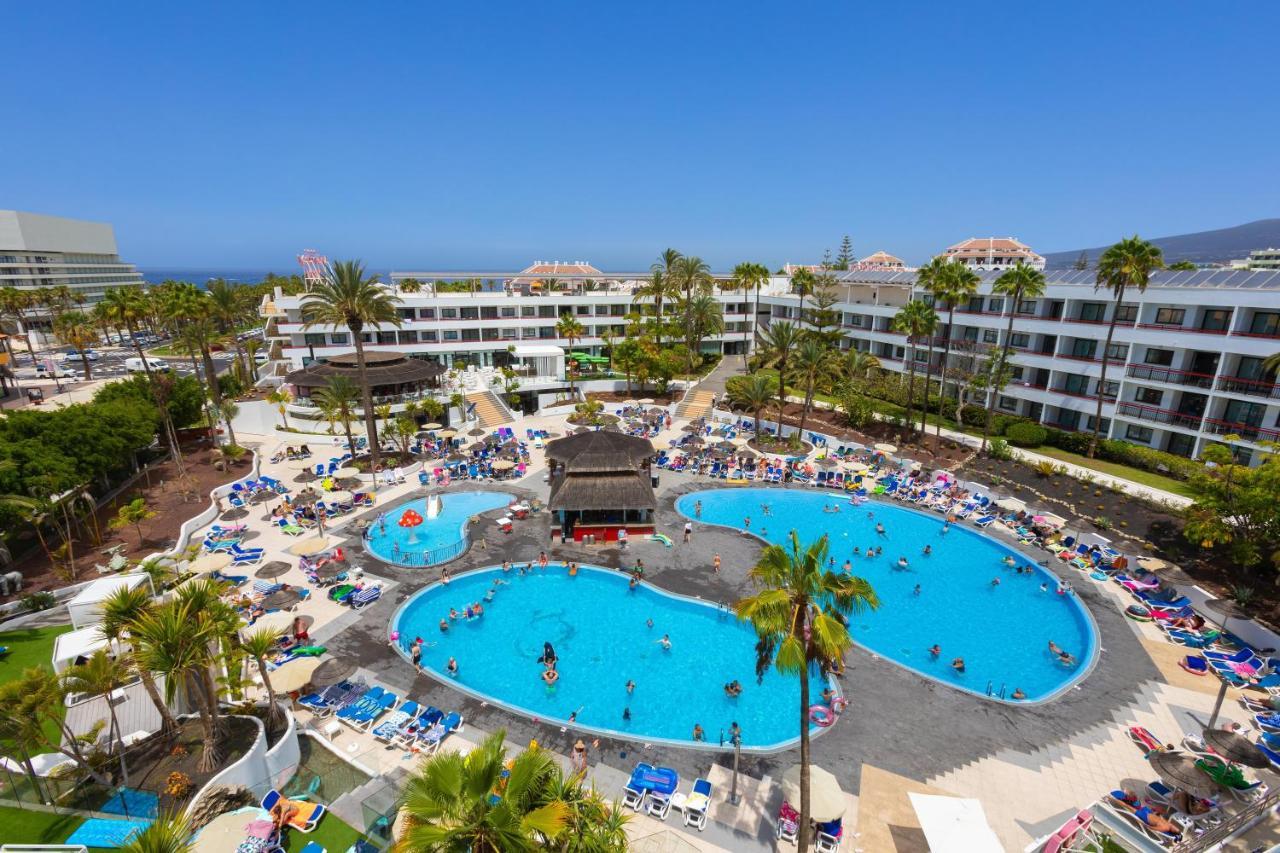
631,687
444,624
548,653
1018,694
928,549
935,650
733,689
828,695
665,642
848,565
698,733
1008,561
697,509
506,566
916,591
958,665
880,529
550,676
452,667
453,613
902,562
633,583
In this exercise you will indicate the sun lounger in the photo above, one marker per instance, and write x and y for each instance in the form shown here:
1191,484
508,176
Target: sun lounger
289,528
1137,818
393,726
368,595
367,699
307,814
985,521
1075,834
369,712
697,804
1145,739
234,580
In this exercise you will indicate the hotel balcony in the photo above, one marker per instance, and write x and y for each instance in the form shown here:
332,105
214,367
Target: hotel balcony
1249,432
1250,387
1169,375
1160,416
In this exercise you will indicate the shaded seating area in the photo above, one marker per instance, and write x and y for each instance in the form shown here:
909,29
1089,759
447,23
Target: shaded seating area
393,377
600,485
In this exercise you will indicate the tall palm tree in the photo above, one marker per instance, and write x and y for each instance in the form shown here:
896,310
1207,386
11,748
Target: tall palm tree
17,303
120,613
228,306
1127,264
780,341
859,366
77,329
227,411
803,282
570,329
751,276
925,277
701,316
916,318
464,803
659,289
339,396
260,645
102,675
800,612
814,362
1017,283
754,393
693,275
346,297
954,283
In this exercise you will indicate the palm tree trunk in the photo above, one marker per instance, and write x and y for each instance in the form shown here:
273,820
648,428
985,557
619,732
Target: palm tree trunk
997,373
231,433
273,710
657,322
802,841
911,383
782,392
170,435
167,722
928,386
118,741
942,389
804,410
84,360
1102,375
366,398
755,330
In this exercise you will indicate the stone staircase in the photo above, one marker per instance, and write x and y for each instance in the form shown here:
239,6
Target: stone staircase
695,404
489,409
1037,783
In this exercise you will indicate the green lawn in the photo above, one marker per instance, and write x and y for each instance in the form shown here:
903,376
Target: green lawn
332,834
29,647
27,826
1137,475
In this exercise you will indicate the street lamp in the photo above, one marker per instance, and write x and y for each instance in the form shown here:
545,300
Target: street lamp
736,736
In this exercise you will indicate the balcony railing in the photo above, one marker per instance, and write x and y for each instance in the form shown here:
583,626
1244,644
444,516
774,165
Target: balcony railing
1175,327
1168,374
1250,432
1159,416
1252,387
1271,335
1090,358
1106,398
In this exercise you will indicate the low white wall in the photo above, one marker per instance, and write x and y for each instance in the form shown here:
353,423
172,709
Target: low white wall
259,769
283,758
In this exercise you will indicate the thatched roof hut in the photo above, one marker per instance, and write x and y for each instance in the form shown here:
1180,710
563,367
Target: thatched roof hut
600,484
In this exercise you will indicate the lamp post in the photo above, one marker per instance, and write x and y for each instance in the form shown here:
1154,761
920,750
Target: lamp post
736,736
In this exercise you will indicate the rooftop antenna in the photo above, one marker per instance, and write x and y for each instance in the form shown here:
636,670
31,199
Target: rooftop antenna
314,267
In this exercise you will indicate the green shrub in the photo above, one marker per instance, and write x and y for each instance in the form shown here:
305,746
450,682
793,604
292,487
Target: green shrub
38,601
998,448
1026,435
1072,442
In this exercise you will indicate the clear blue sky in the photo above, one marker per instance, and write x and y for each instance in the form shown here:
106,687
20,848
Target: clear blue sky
447,135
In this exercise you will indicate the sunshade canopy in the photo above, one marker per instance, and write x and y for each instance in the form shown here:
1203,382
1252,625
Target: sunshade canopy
826,799
954,825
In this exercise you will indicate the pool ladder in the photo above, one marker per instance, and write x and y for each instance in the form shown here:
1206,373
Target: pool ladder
990,684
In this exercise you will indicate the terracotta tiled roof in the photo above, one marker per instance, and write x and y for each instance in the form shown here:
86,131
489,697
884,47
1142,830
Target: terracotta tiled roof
981,247
882,259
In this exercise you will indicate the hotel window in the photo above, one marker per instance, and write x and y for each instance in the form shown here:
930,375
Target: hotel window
1170,316
989,336
528,311
1020,340
1126,313
975,304
340,338
1162,357
1118,352
508,334
1250,367
1093,311
386,337
602,310
617,310
409,337
1076,384
1148,396
405,313
426,313
1216,319
1015,375
1008,404
508,312
995,304
469,313
488,312
448,313
450,335
1242,412
1106,425
1133,432
547,312
1027,306
1083,348
1111,389
584,310
529,332
1265,323
427,337
313,339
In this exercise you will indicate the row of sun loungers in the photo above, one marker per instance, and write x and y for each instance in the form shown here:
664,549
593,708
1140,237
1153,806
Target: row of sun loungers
653,790
375,710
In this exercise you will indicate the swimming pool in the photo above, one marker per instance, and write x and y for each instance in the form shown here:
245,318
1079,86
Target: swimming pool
1001,631
436,539
598,628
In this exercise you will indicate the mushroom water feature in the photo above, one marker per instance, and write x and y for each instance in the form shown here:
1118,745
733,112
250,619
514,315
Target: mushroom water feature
410,519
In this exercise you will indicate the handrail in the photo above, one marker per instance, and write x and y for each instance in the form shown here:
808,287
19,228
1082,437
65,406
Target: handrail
1248,431
1240,385
1174,327
1170,375
1159,416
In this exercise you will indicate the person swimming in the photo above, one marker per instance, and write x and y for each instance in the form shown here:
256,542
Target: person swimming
902,562
453,613
928,549
880,529
550,676
733,689
444,624
665,642
631,686
452,667
958,665
548,653
1018,694
935,650
916,591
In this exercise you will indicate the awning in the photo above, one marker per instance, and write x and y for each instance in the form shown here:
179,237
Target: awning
536,350
955,825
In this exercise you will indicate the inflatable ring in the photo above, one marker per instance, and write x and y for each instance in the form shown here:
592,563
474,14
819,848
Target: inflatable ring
1138,613
822,715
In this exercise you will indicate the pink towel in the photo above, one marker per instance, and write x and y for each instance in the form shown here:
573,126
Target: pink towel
1243,669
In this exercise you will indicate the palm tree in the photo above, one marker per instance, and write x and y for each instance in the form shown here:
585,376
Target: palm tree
780,342
132,515
593,824
915,319
1127,264
259,645
803,282
102,317
814,361
228,306
120,613
16,303
754,393
281,398
860,365
752,277
659,289
1017,283
77,329
925,277
102,675
692,274
409,285
800,613
339,397
954,283
571,330
702,316
168,833
461,802
347,298
227,410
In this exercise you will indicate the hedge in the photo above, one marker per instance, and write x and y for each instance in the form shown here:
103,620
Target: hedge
1026,435
1124,453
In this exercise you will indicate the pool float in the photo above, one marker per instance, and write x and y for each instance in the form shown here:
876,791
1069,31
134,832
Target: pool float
341,591
308,651
1099,576
1138,613
822,715
661,537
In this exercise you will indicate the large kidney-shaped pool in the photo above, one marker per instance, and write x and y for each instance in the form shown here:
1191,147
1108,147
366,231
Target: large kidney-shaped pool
600,631
948,598
438,536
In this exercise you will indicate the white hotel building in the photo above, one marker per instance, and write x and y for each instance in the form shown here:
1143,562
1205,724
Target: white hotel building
1185,364
47,251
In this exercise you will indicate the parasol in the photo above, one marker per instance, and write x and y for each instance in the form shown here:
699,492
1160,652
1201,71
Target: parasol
278,623
332,671
1151,564
341,496
1011,504
281,598
448,433
293,675
210,563
503,465
1235,747
477,432
1179,770
346,471
432,425
310,547
274,569
826,799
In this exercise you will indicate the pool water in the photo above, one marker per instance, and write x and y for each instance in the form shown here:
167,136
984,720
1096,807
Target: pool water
1002,632
437,539
598,628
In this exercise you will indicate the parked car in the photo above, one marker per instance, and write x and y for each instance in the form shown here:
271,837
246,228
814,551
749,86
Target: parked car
134,365
73,355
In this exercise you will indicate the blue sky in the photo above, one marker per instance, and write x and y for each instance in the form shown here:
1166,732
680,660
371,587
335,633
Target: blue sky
436,135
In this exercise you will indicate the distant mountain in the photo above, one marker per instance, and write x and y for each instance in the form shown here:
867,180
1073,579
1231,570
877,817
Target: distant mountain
1203,247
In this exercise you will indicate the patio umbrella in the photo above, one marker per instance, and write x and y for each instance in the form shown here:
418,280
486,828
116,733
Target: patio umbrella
695,439
456,457
332,671
657,410
1151,564
747,453
210,563
1179,770
274,569
1053,519
264,495
330,570
301,464
305,477
727,446
226,831
503,465
346,471
294,675
278,622
1011,504
857,468
690,428
646,401
281,599
310,547
431,425
234,513
886,448
1235,747
827,462
306,499
478,431
826,799
341,496
448,433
